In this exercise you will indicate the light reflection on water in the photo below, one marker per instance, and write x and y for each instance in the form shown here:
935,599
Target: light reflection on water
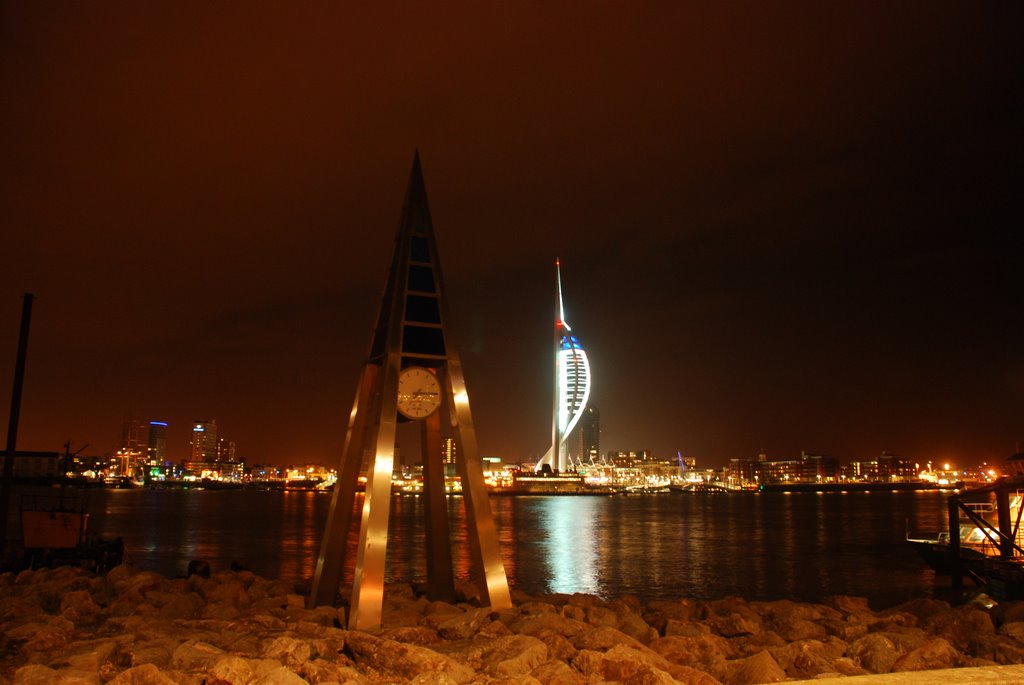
772,545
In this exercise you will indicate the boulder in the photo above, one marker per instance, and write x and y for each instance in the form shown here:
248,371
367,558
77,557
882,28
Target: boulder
147,674
78,606
933,654
558,647
734,624
394,659
514,655
604,639
806,659
875,652
625,665
462,625
922,608
550,621
707,652
848,605
288,650
280,676
758,668
194,655
89,655
557,672
685,628
960,626
414,635
845,630
34,674
232,670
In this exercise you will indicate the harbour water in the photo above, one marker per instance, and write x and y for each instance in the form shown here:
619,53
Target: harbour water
801,546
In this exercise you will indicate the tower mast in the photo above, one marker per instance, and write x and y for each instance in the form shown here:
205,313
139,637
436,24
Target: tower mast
556,435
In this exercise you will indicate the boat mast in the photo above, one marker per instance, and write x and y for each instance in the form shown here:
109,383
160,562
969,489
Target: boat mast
12,425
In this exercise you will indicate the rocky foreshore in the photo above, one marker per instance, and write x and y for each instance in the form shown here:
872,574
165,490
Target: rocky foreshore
133,627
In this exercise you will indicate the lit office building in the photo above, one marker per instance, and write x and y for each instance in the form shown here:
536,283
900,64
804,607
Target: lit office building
156,450
204,441
448,450
589,434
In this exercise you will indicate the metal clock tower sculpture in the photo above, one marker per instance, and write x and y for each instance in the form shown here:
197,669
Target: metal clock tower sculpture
412,373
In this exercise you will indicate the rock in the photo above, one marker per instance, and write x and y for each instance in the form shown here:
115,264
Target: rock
875,652
147,674
922,608
280,676
845,630
1010,612
34,674
514,655
288,650
685,628
806,659
707,652
402,660
588,663
557,672
494,629
532,624
462,625
849,605
734,624
558,647
759,668
749,645
601,617
414,635
324,671
845,666
625,665
582,599
171,605
960,626
232,670
194,654
78,606
89,655
52,635
604,639
933,654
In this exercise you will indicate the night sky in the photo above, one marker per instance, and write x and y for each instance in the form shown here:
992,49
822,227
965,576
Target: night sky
782,226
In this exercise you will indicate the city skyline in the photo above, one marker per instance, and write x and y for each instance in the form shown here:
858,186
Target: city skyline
784,228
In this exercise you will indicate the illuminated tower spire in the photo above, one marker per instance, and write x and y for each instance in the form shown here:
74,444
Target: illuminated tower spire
571,384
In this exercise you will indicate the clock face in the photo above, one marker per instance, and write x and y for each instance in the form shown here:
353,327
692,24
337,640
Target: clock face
419,393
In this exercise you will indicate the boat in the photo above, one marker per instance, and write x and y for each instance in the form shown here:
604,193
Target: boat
983,532
547,483
57,534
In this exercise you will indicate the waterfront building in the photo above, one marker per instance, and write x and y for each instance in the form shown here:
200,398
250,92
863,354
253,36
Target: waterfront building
626,459
156,449
204,441
30,465
589,435
572,387
448,450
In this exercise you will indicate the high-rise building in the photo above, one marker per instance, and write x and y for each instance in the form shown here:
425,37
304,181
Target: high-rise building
589,435
156,452
448,450
204,441
572,386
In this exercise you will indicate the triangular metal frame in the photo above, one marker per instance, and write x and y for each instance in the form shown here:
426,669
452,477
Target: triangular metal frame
411,330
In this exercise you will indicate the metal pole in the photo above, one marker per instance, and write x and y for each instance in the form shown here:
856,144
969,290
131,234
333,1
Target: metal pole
12,425
956,571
